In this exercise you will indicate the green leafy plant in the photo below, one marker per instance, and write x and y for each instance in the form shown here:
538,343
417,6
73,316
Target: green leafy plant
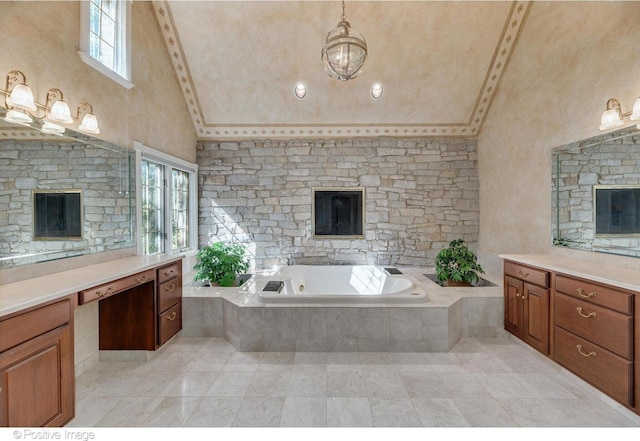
221,263
457,263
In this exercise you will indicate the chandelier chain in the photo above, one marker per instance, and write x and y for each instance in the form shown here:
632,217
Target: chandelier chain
344,14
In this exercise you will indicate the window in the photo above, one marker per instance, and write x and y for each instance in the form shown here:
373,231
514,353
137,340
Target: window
152,205
167,203
105,38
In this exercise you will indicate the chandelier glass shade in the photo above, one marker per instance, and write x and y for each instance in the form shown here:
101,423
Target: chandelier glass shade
344,51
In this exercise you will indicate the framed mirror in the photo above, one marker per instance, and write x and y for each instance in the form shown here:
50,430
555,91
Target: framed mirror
596,194
62,180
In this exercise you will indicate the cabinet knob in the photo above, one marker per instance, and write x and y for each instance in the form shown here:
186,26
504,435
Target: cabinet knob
517,294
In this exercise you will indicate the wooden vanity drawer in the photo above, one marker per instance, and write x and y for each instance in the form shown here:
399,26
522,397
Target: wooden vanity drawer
108,289
23,327
169,272
605,370
169,323
609,329
169,293
532,275
602,295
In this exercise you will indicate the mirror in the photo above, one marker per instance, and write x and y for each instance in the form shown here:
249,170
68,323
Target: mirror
33,163
596,193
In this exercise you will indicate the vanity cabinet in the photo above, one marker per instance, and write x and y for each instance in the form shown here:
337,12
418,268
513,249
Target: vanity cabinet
149,303
593,317
37,366
593,334
526,309
169,301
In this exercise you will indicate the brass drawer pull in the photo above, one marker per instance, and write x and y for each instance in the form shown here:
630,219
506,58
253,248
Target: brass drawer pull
581,293
170,288
523,274
142,279
591,314
584,354
101,294
173,316
167,274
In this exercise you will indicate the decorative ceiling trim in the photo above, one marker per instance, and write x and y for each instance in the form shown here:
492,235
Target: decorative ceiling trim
206,131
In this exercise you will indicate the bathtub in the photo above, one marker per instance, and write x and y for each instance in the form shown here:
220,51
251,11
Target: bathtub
339,284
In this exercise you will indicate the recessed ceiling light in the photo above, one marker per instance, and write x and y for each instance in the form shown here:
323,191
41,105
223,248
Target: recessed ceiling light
376,91
300,91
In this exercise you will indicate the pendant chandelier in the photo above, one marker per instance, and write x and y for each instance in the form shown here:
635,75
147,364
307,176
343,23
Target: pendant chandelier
344,51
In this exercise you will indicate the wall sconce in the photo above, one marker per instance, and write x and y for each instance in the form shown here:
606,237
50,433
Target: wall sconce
613,116
22,108
89,122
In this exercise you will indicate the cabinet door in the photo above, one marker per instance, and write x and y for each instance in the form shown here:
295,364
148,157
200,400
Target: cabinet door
536,313
513,306
37,381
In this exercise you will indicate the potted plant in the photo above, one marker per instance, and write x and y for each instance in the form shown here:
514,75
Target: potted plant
456,265
221,263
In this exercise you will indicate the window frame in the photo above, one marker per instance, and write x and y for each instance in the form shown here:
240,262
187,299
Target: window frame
123,43
170,163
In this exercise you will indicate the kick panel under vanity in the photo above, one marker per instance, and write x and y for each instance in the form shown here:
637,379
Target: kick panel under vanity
592,321
140,308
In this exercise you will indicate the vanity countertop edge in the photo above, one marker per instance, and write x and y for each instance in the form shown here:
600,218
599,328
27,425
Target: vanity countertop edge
28,293
626,278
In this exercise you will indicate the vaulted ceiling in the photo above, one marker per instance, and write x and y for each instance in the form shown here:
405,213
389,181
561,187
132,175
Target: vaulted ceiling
439,62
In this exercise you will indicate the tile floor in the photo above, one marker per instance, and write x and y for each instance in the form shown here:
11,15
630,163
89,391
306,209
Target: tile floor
204,382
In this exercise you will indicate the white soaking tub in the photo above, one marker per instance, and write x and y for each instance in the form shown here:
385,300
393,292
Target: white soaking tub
340,284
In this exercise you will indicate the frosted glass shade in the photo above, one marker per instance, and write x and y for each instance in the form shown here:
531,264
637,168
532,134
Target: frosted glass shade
49,127
635,113
60,113
90,124
17,116
610,120
22,98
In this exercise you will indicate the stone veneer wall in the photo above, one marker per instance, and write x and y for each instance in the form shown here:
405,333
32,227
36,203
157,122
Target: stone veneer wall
612,162
420,194
100,174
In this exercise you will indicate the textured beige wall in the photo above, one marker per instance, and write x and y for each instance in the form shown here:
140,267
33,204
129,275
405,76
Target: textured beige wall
571,57
42,38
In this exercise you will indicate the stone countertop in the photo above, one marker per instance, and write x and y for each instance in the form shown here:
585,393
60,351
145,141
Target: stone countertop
437,296
32,292
607,274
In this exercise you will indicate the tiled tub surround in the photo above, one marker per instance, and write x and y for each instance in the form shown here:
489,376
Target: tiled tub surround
420,193
433,326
